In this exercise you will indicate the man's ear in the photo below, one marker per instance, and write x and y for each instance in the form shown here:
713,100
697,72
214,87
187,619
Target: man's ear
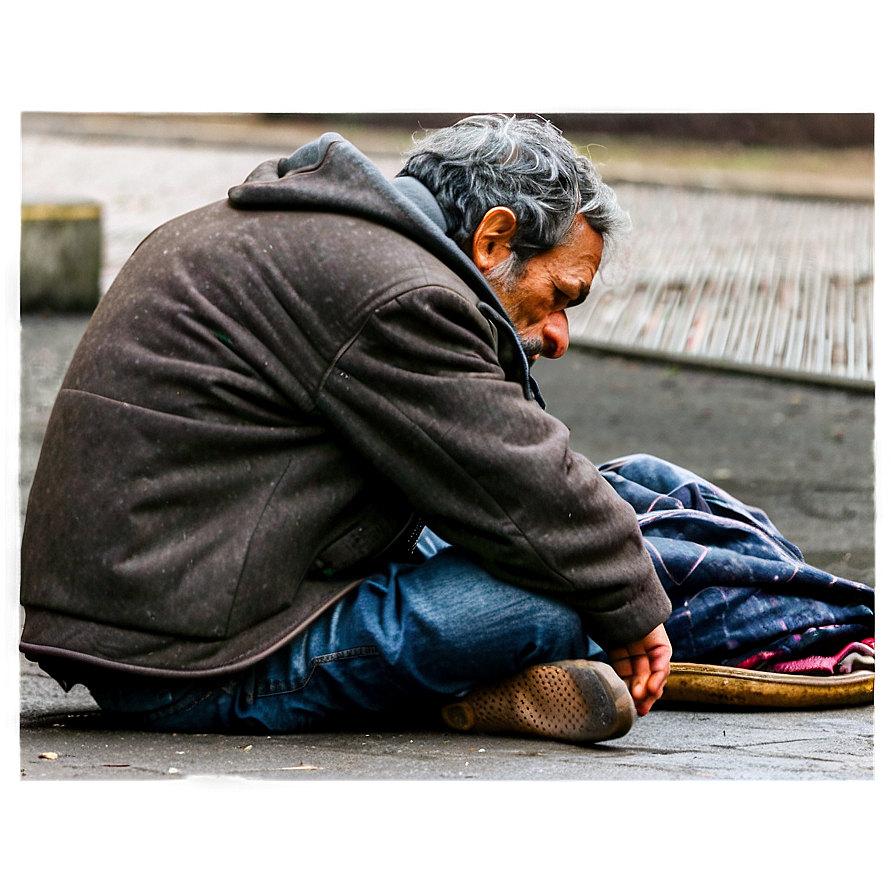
490,244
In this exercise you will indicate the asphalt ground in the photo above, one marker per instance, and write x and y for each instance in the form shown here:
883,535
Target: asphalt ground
802,453
805,453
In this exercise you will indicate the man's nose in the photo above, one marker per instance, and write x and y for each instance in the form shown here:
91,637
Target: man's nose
555,335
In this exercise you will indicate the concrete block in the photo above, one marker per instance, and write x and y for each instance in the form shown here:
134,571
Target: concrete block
60,255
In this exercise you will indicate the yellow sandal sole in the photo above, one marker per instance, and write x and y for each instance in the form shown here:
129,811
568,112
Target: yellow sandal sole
729,686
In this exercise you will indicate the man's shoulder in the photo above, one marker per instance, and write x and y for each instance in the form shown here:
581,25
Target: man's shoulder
378,254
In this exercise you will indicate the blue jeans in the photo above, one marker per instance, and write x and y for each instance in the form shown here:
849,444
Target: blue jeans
406,640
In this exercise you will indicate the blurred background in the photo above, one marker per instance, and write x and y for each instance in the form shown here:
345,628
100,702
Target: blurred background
775,128
752,244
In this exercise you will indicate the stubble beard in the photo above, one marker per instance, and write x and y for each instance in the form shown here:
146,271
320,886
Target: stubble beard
502,283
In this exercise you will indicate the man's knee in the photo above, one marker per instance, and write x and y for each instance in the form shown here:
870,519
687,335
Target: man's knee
453,604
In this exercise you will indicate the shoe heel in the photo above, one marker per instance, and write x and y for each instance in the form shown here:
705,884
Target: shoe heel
458,716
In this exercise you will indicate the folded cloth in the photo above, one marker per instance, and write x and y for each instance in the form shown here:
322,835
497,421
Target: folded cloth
858,655
742,595
855,662
815,648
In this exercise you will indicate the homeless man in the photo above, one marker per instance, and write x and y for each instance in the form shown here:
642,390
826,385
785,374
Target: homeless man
298,471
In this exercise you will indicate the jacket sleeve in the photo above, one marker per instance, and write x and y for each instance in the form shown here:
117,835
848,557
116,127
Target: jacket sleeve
419,392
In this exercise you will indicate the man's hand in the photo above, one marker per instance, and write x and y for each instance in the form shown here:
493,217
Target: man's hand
644,666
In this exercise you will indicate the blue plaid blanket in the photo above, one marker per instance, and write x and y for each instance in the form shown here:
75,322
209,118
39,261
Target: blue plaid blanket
737,586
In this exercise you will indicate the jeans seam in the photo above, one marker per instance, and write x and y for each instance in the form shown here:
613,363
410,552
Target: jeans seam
276,688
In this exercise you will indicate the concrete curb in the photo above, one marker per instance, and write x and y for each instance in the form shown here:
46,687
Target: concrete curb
60,254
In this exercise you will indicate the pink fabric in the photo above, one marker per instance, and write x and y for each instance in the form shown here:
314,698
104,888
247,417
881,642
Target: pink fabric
858,653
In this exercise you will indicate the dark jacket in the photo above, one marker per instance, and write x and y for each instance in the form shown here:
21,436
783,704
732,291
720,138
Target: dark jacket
274,389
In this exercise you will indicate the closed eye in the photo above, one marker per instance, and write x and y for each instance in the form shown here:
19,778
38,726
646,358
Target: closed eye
571,296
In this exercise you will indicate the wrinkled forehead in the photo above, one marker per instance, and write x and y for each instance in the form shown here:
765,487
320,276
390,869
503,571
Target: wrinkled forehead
582,249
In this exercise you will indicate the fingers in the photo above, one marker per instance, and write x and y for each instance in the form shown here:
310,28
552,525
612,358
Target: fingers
624,664
640,676
660,653
644,667
645,693
634,670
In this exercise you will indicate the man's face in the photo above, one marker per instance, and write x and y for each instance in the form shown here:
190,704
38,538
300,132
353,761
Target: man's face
551,282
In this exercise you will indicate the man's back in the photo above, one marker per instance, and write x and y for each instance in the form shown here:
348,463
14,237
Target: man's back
190,417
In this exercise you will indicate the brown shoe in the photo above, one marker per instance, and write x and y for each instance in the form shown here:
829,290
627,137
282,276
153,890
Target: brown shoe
572,700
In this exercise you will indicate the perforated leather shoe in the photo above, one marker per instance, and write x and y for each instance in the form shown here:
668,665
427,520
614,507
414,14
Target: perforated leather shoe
579,701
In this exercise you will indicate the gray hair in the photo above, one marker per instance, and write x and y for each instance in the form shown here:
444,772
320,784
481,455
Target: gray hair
526,165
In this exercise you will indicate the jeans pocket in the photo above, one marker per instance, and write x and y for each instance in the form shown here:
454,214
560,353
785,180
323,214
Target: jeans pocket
270,681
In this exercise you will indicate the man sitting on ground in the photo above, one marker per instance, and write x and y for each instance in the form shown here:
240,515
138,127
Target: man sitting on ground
298,471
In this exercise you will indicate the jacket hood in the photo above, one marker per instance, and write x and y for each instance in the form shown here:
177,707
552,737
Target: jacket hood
330,174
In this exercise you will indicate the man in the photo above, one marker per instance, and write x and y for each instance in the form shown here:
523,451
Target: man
298,471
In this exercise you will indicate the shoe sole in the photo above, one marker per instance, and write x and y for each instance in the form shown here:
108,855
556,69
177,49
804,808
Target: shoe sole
732,686
579,701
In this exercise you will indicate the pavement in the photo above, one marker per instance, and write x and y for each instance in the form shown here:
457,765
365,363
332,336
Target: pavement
802,451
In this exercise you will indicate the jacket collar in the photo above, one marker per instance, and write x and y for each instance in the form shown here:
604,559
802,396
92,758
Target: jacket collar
419,195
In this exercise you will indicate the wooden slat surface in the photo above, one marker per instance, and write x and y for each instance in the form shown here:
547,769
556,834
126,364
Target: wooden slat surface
747,281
